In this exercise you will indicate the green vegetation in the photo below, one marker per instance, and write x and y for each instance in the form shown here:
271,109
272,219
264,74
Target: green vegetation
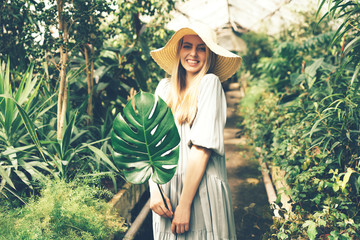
146,140
302,111
62,211
67,68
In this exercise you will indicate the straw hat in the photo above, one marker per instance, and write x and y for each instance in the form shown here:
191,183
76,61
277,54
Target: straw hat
226,62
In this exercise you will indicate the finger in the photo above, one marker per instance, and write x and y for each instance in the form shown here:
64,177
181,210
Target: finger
186,227
159,211
165,211
173,228
180,228
168,214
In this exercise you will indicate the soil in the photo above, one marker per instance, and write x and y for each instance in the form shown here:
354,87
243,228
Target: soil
251,208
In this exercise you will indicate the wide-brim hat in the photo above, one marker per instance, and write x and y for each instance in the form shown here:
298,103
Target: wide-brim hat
227,63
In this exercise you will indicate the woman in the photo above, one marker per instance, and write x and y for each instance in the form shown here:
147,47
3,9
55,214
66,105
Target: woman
199,191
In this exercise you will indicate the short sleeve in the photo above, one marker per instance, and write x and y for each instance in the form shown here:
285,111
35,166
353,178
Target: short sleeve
207,129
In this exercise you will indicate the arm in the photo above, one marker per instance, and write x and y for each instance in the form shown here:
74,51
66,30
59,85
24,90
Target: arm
157,203
197,162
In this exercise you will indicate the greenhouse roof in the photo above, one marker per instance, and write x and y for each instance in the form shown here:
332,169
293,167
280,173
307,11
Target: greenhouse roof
255,15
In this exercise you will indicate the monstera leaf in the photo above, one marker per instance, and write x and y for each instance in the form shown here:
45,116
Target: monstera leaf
145,140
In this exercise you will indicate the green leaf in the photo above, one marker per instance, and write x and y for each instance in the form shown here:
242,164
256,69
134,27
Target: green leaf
311,229
322,222
126,50
296,78
13,150
356,73
5,176
27,86
29,125
102,155
9,114
346,178
30,169
358,185
145,140
310,71
351,45
23,178
65,141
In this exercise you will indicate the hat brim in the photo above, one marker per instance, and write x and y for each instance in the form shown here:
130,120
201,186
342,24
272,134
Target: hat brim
227,63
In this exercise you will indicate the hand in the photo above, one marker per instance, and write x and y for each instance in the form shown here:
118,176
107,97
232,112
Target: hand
180,223
158,206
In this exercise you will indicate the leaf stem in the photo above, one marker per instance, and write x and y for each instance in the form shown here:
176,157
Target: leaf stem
162,195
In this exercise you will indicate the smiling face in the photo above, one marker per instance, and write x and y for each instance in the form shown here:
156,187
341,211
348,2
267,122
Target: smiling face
192,54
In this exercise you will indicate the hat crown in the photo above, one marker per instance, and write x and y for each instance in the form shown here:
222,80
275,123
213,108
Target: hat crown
204,31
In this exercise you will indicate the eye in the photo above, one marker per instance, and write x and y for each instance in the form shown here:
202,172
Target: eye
187,46
202,49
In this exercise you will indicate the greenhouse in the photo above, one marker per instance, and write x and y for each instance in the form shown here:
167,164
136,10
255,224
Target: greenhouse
179,119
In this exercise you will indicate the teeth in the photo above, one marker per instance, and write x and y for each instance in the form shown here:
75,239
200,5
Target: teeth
192,61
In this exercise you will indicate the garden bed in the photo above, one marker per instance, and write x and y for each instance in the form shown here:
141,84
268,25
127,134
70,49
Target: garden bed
280,185
276,186
127,198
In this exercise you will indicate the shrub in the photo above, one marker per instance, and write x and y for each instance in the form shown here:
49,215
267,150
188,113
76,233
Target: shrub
63,211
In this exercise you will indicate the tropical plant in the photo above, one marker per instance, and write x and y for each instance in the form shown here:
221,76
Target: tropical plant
77,153
145,141
29,149
73,27
20,160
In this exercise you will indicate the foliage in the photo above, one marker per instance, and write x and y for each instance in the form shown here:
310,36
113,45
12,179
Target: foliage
29,148
17,32
19,144
307,27
122,62
349,12
305,120
28,30
28,144
63,211
125,62
145,140
30,151
258,45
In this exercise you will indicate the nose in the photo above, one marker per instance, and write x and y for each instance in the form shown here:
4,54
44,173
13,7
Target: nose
193,52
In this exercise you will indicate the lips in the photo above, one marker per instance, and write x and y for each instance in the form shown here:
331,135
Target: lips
192,62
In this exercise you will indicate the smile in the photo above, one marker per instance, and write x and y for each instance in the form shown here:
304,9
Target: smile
192,61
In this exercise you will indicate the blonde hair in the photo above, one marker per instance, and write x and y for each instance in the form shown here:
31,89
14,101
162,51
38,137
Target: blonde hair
185,107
